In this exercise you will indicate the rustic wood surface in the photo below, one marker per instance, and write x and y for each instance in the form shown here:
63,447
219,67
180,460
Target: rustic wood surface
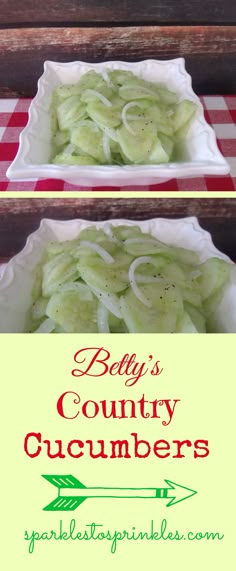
19,217
125,11
210,52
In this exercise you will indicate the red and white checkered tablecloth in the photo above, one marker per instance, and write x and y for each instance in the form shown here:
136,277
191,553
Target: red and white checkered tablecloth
220,112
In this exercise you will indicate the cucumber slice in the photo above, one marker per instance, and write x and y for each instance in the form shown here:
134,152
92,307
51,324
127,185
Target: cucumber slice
162,317
143,244
70,311
214,275
209,306
70,111
190,290
137,146
47,326
68,246
110,278
167,96
107,116
119,76
38,308
184,256
167,144
61,139
88,137
186,325
191,295
101,93
92,234
132,91
161,151
184,111
57,271
62,92
197,317
116,325
89,80
63,159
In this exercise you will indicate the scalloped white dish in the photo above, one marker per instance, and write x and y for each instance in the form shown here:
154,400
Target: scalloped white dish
32,160
17,279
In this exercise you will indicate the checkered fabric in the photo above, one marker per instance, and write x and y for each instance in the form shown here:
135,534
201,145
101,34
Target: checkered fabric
220,112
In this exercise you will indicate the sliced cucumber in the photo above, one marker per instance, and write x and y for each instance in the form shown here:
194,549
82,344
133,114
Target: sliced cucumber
72,312
118,279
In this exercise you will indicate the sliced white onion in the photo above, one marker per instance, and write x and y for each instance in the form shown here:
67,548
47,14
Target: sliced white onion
111,133
124,118
99,250
133,266
99,95
107,228
107,79
106,148
102,319
110,300
47,326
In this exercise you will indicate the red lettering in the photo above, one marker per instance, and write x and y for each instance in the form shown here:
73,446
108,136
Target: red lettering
35,436
95,359
115,369
179,446
137,444
161,445
85,406
60,404
156,370
58,454
80,444
101,453
132,413
120,445
204,448
93,362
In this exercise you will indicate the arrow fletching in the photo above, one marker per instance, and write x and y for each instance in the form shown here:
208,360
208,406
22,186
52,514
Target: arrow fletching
64,481
64,504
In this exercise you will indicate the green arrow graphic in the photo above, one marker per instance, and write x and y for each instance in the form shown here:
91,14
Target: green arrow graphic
71,493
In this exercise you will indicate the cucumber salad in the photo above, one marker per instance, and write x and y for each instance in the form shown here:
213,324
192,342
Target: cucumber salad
121,280
117,118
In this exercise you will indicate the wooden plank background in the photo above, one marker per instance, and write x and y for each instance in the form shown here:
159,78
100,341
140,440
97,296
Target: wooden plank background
19,217
204,32
210,52
124,12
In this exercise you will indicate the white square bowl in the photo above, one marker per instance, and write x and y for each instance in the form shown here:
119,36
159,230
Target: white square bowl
18,276
32,159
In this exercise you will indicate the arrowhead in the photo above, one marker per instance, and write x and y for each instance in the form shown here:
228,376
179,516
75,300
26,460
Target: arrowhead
178,493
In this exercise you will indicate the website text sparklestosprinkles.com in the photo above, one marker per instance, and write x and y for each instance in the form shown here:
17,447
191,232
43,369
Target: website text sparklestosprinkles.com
95,532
